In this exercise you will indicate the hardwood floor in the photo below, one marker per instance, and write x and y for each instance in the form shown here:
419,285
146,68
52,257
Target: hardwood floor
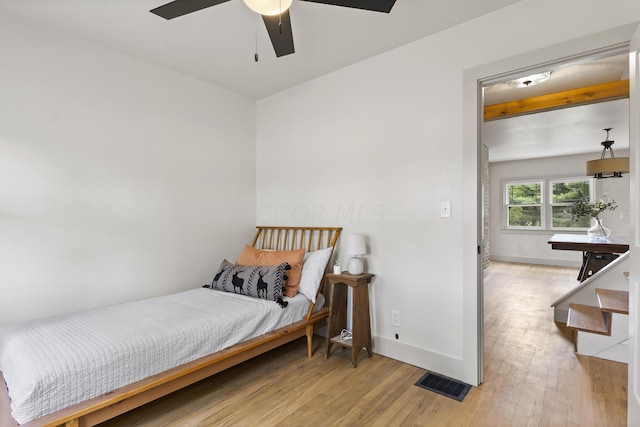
532,377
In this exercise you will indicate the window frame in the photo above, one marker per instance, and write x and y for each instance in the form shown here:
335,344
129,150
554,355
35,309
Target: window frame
551,204
506,204
546,202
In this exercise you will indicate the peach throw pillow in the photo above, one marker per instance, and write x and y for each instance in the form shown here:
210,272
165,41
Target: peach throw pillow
253,256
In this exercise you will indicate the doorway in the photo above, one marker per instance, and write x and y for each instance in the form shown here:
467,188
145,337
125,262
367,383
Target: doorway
538,147
474,81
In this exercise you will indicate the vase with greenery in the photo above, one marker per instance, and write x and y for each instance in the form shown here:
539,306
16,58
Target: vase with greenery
593,210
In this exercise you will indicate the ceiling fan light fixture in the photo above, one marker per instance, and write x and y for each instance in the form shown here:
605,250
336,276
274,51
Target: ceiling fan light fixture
268,7
612,167
531,80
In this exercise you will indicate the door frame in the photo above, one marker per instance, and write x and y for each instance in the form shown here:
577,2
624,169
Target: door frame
588,47
633,388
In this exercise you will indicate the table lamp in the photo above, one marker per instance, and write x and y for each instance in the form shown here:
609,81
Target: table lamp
356,247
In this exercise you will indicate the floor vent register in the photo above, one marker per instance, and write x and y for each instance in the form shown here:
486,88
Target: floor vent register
445,386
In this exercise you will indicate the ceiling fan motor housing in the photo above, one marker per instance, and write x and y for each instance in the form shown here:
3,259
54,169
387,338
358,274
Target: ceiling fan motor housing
275,14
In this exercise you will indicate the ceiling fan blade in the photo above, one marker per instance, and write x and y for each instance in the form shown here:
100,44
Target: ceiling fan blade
182,7
373,5
279,29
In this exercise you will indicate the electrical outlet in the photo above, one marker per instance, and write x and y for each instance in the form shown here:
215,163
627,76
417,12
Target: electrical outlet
395,318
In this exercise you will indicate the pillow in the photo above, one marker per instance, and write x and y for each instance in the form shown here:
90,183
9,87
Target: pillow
313,268
258,281
253,256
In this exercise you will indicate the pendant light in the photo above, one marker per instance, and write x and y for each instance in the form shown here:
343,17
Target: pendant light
268,7
612,167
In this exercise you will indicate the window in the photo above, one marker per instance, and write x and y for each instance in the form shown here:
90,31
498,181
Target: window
563,194
527,208
524,205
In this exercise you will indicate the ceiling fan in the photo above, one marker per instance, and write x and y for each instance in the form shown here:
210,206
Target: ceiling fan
275,14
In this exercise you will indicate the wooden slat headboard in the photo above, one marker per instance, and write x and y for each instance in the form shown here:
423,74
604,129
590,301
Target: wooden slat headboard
289,238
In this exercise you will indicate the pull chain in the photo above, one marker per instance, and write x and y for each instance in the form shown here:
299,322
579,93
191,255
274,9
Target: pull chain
280,18
255,56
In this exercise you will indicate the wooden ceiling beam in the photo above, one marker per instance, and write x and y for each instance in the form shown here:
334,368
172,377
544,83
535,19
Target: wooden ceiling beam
553,101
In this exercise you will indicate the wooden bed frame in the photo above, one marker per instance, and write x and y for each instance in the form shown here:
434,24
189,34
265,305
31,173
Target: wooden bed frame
124,399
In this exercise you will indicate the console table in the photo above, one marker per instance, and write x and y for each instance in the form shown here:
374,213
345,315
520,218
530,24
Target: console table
596,252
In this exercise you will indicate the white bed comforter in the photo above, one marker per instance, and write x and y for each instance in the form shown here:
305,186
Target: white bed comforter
49,364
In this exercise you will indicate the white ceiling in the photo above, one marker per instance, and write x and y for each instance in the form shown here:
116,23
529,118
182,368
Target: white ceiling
564,77
217,44
558,133
574,130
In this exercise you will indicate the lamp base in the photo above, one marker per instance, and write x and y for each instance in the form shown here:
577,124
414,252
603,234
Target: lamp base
356,266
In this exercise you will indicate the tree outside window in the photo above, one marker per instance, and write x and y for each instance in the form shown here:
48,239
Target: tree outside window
529,206
524,207
564,195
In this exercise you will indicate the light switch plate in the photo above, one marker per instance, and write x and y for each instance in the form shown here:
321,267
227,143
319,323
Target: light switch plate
445,209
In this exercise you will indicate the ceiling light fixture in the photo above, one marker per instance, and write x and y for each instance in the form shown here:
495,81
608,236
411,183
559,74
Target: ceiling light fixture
268,7
529,81
612,167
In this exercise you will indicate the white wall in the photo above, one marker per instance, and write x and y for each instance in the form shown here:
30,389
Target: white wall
532,246
376,146
118,180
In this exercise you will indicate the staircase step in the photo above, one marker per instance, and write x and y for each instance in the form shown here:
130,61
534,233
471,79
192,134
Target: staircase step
588,318
613,301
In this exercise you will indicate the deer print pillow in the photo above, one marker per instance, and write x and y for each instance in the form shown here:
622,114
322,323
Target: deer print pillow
253,256
258,281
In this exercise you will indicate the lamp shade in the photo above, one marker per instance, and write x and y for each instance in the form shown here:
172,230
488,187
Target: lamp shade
268,7
356,244
603,168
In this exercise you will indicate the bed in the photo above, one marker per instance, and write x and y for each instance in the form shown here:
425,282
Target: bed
195,355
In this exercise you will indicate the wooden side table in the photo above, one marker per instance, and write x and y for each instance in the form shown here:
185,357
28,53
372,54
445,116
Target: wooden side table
361,333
